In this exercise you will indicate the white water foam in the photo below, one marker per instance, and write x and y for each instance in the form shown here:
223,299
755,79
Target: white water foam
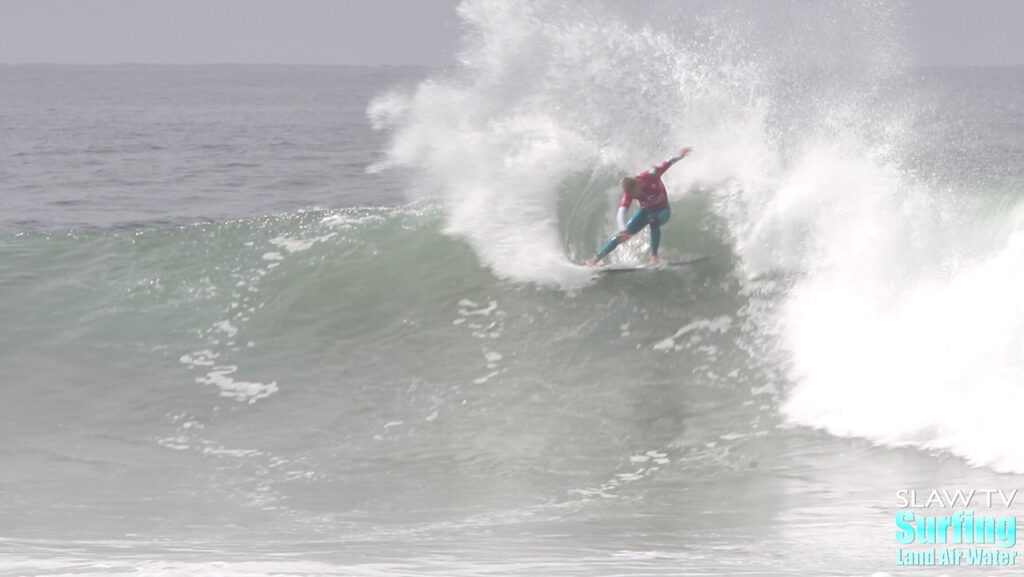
903,321
291,244
719,325
249,391
931,356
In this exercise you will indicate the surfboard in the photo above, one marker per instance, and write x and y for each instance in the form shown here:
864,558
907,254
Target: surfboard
648,267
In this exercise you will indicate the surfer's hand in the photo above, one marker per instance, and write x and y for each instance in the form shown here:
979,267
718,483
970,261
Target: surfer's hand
685,151
625,235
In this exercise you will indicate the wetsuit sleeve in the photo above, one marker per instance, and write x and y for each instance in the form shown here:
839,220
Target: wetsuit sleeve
620,216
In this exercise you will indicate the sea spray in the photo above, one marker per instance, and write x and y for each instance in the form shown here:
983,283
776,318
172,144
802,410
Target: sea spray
546,93
899,317
892,296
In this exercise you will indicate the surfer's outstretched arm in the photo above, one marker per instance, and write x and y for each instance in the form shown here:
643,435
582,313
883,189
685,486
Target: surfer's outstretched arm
649,191
661,168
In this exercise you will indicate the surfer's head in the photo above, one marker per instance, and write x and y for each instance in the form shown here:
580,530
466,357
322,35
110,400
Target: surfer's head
630,185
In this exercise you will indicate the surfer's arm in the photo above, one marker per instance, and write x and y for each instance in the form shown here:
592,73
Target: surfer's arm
661,168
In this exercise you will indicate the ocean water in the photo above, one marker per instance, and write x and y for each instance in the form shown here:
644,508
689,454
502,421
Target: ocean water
262,320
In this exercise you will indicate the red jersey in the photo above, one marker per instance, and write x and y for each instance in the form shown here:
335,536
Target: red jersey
653,196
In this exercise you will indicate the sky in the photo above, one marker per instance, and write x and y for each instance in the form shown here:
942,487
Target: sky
365,32
376,32
968,32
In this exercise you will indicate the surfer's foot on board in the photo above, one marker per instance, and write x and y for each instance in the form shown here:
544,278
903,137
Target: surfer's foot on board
655,259
593,262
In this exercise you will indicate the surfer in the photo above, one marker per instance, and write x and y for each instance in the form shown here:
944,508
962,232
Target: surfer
649,192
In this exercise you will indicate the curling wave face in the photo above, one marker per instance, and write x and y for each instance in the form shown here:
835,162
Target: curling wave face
891,280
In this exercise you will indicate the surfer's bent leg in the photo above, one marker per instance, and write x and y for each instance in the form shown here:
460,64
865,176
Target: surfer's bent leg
657,219
608,247
635,225
638,222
